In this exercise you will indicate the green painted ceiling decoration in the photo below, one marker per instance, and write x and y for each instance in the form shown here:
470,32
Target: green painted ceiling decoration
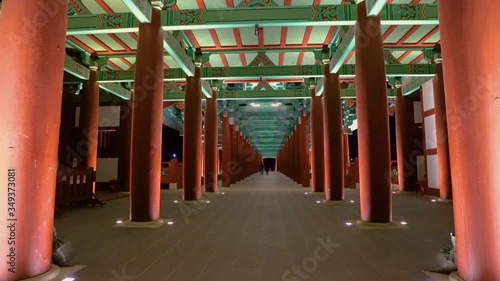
262,55
257,3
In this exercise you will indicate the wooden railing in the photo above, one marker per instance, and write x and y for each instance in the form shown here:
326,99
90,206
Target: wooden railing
76,187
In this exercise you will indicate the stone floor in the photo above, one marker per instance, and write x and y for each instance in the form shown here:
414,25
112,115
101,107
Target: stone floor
263,228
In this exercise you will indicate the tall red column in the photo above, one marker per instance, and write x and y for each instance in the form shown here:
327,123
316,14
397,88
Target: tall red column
211,144
345,148
373,120
317,168
406,136
226,151
443,152
191,148
303,151
32,55
333,137
471,76
89,120
147,107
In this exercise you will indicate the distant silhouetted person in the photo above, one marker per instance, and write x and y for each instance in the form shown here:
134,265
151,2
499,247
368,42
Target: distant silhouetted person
267,170
261,168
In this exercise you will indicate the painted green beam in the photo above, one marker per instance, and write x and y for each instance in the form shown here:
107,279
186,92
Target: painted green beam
116,90
414,85
343,51
324,15
229,95
175,50
374,7
257,72
76,69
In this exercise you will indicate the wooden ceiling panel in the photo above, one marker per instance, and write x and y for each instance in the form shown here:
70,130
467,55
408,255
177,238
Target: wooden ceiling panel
318,34
272,35
291,58
226,37
204,38
117,6
119,62
248,36
398,54
93,6
295,35
302,2
399,32
214,4
434,38
308,58
114,45
250,56
187,4
128,40
410,57
216,60
274,57
91,43
233,60
419,34
331,2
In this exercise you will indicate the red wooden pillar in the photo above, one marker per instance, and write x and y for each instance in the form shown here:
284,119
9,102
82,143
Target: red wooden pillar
147,120
211,144
32,55
406,136
333,137
443,152
373,123
192,154
471,76
317,168
89,121
345,148
226,151
303,151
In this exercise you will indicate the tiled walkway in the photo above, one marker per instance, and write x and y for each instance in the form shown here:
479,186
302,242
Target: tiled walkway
263,228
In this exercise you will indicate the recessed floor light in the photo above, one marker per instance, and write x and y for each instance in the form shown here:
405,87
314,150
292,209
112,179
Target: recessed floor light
318,201
208,201
119,221
352,201
170,222
348,223
68,279
434,200
175,201
404,223
394,192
